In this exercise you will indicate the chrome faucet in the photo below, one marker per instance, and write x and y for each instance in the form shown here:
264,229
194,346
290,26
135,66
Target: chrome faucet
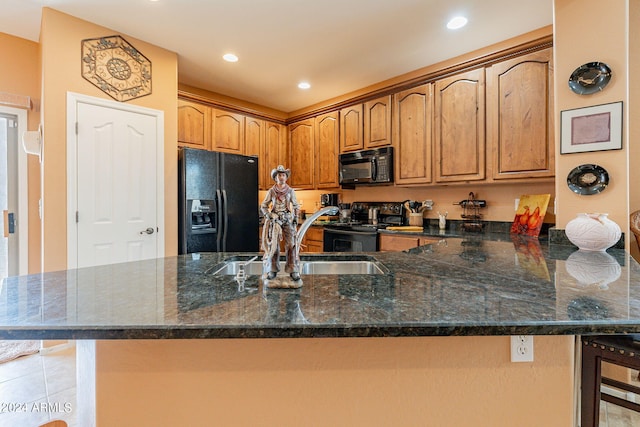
241,275
329,210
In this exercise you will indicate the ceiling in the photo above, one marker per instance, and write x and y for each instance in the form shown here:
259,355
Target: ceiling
338,46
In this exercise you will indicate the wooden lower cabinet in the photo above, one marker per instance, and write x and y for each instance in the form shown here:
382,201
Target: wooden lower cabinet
389,242
313,240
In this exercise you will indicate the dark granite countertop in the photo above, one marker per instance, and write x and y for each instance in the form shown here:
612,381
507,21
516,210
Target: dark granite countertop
483,284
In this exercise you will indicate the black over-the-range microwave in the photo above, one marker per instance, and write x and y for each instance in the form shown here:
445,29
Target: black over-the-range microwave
367,167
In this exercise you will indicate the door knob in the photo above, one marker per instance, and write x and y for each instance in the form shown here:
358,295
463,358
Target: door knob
147,231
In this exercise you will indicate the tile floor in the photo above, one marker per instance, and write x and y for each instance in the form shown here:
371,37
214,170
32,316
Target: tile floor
46,386
616,416
38,388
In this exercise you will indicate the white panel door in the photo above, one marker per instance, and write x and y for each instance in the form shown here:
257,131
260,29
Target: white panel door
116,180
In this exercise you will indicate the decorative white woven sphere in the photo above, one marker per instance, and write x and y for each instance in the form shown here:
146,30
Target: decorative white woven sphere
593,231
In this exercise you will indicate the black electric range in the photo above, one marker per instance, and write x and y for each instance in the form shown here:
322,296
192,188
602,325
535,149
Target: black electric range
360,234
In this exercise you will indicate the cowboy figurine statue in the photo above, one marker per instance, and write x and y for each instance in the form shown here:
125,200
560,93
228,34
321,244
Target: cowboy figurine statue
280,209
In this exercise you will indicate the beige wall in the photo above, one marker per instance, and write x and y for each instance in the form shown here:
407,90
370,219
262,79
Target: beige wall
415,381
500,198
20,75
576,43
60,40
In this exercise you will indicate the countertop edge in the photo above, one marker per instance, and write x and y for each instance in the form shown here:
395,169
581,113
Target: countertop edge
172,332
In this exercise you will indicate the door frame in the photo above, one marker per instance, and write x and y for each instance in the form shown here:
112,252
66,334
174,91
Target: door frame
73,99
23,190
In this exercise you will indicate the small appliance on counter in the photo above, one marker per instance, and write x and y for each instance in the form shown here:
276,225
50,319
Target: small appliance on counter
360,234
345,212
329,199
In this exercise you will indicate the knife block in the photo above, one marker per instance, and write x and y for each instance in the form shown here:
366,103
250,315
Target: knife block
415,218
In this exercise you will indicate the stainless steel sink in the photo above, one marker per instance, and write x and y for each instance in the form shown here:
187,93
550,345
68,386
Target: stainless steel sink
312,265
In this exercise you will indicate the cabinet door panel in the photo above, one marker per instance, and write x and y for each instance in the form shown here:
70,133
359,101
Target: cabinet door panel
301,135
326,142
377,122
520,116
253,136
254,131
274,153
314,240
315,233
228,132
351,135
460,127
193,125
412,116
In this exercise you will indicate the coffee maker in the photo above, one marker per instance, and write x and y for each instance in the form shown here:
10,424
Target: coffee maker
329,199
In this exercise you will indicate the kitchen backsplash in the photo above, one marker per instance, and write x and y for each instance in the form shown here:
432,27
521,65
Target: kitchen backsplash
500,198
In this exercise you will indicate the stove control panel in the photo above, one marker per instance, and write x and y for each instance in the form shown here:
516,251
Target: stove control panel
388,212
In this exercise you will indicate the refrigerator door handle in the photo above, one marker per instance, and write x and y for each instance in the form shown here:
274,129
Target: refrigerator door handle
225,219
218,224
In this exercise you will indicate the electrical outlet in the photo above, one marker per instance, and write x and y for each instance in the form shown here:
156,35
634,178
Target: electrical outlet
522,348
517,204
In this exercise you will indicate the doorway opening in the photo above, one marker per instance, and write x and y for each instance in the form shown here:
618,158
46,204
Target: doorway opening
13,194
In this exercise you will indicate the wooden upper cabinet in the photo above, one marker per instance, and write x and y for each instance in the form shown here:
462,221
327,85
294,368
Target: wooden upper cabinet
227,131
254,130
326,155
460,152
412,134
301,146
377,122
520,115
193,125
253,136
274,153
351,125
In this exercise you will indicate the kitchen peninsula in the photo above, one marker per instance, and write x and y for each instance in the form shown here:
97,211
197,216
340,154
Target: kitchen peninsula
430,335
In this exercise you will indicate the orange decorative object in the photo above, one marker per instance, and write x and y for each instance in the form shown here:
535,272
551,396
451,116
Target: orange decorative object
530,214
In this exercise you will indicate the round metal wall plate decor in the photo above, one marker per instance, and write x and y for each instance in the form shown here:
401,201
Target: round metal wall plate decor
116,68
587,180
590,78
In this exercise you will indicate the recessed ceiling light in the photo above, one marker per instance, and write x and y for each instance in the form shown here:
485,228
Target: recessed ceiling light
230,57
457,22
304,85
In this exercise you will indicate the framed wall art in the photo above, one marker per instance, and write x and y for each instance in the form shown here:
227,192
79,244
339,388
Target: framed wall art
595,128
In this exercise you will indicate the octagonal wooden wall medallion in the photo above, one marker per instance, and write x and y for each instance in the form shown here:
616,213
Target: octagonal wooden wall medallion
116,68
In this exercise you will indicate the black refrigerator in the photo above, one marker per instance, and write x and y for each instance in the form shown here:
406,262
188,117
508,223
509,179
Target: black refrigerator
218,202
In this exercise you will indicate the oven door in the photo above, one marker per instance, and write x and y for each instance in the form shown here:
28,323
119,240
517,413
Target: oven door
350,240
